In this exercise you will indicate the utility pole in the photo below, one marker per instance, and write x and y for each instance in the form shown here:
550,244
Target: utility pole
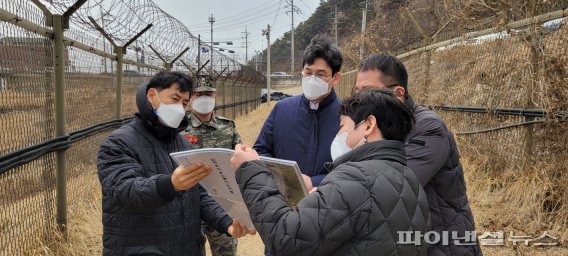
292,39
335,23
267,34
198,54
211,20
246,44
256,57
363,26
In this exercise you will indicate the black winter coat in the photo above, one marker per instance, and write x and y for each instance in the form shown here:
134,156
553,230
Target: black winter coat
142,213
359,208
432,154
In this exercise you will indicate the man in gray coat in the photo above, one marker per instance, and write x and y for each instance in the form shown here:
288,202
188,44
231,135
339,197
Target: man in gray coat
362,207
151,206
432,154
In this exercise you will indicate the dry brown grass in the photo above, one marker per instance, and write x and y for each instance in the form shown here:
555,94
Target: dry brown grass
516,177
514,207
501,197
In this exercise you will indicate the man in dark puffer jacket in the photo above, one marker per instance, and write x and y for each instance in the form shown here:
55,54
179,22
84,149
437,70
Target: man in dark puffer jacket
432,154
368,198
150,205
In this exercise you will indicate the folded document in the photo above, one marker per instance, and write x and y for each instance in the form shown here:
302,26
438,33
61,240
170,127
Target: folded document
223,187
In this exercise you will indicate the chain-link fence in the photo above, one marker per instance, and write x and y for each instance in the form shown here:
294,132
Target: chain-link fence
30,94
503,91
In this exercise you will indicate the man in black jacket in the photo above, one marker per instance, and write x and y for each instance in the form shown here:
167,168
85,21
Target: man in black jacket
363,206
151,206
432,154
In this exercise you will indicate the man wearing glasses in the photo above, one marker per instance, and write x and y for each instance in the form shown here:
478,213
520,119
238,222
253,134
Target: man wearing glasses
432,154
301,128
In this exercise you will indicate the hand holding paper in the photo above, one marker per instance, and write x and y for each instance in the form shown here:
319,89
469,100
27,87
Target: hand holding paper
185,177
307,181
238,230
243,153
223,188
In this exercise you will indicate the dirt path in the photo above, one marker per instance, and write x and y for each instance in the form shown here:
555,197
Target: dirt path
249,127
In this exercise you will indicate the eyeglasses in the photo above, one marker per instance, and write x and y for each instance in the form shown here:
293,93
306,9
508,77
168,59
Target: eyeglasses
320,75
376,87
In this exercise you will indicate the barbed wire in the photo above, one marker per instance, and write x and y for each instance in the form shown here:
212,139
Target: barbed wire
122,20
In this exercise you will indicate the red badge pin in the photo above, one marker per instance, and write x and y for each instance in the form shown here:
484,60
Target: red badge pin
191,139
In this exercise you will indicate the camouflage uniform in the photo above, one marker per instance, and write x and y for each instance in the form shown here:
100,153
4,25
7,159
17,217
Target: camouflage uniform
219,132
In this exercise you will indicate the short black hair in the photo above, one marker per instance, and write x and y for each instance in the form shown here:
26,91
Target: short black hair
394,119
166,79
390,66
323,47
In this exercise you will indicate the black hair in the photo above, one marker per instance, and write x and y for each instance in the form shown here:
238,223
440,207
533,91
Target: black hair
390,66
323,47
394,119
166,79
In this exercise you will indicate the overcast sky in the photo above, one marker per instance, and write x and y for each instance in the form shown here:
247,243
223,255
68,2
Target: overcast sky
232,16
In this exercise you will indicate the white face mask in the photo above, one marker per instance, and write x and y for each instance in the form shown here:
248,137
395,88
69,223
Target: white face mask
170,115
339,145
314,87
203,104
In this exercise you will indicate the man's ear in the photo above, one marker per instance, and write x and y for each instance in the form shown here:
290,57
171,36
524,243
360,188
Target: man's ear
151,95
336,79
371,124
399,92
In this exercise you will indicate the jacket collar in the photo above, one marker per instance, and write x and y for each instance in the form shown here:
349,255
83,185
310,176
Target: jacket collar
409,102
331,97
390,150
196,122
147,115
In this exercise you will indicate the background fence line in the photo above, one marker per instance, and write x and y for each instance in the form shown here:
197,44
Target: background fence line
503,91
487,82
62,91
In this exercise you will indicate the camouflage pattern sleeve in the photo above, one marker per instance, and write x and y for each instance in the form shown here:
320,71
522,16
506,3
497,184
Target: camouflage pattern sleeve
236,137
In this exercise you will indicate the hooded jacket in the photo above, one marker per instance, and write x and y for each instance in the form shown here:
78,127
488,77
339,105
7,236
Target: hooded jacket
360,207
142,213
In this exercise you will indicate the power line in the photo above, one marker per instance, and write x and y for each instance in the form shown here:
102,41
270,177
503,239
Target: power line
246,43
246,21
293,9
237,17
276,17
306,5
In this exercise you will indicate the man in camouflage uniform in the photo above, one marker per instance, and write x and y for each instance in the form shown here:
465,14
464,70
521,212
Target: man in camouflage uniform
207,130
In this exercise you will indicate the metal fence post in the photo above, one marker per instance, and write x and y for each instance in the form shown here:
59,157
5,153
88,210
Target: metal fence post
224,97
234,100
248,98
258,91
427,77
119,61
241,99
120,51
60,174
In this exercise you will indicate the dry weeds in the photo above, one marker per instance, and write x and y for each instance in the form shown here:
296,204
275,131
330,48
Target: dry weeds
501,196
